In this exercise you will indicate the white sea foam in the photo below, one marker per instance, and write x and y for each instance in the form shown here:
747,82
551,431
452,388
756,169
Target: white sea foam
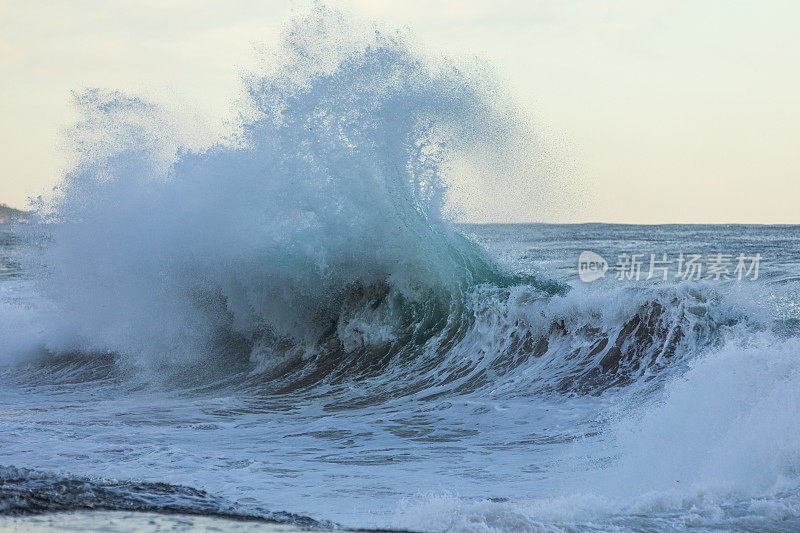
719,447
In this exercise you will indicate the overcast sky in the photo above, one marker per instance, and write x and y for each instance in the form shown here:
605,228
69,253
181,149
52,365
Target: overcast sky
664,110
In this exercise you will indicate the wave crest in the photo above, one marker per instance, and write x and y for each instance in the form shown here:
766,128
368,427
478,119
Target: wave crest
332,185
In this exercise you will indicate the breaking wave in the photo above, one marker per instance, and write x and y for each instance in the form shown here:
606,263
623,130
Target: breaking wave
320,220
313,245
312,252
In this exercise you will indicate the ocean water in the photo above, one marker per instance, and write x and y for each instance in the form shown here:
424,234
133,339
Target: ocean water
512,422
284,327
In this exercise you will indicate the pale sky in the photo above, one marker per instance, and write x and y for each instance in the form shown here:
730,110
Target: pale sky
661,110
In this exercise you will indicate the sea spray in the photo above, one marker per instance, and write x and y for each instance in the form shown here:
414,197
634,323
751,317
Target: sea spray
332,186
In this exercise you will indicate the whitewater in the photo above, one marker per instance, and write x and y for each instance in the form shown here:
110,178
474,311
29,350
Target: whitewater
286,326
